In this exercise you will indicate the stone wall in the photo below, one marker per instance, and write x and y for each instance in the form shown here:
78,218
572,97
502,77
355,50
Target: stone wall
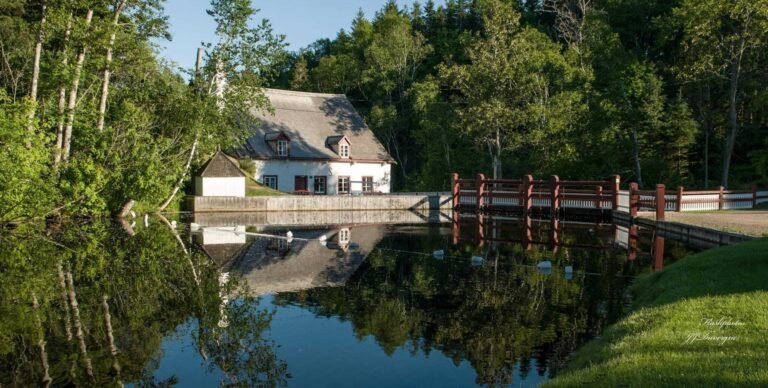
291,203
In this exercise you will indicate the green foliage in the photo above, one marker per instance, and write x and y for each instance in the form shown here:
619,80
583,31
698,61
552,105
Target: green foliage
152,285
25,182
629,87
154,118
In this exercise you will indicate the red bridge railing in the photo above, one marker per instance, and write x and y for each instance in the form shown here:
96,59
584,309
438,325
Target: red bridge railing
484,194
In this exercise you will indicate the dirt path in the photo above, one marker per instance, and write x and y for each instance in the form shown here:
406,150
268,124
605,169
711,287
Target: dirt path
749,222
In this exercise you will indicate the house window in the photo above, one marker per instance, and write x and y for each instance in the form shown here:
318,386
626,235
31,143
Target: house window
367,184
270,181
343,236
320,184
344,150
282,148
343,186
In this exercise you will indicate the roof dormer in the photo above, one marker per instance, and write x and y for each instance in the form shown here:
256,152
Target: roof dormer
279,142
340,145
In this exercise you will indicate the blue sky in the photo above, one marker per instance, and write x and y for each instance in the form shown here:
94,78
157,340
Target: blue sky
301,21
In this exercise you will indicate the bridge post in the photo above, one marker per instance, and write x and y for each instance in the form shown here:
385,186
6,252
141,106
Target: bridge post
660,201
599,195
658,253
455,191
527,195
679,205
634,199
554,192
480,187
720,198
754,196
615,181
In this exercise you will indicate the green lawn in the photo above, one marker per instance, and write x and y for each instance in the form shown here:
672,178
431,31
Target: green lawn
255,189
667,341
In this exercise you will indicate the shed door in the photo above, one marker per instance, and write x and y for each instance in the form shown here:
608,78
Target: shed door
300,183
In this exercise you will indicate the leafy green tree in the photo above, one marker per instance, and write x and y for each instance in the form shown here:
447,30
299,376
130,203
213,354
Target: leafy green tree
721,40
515,89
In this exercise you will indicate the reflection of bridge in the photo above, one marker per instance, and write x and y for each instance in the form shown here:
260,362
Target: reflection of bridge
486,228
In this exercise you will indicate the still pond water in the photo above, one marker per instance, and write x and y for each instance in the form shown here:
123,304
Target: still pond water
225,304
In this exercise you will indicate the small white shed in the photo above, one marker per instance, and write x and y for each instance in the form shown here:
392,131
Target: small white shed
220,177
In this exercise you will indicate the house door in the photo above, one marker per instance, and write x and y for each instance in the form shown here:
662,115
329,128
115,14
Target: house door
300,183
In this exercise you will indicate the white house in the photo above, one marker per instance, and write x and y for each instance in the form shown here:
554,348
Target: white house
220,177
316,144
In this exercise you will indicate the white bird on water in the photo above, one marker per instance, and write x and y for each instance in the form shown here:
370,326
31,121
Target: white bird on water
544,267
546,264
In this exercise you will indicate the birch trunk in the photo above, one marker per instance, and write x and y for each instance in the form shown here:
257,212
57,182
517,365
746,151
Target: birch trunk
181,178
62,98
67,142
107,71
41,343
111,338
36,64
63,286
79,325
197,81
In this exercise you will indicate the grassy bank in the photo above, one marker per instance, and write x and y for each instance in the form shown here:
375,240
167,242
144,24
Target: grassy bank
255,189
702,321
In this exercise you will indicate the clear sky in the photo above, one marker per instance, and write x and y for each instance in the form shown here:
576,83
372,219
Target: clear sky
301,21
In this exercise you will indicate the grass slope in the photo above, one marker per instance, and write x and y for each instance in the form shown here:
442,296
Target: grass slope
255,189
667,340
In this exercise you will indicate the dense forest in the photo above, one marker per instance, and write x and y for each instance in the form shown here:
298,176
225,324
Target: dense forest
658,91
91,117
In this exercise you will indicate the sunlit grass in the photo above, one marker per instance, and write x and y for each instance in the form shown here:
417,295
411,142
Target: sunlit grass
255,189
653,346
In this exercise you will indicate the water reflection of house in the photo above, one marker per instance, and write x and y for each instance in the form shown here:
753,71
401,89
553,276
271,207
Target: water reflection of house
271,265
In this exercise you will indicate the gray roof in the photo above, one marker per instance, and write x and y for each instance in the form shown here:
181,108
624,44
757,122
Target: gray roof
306,264
220,166
311,120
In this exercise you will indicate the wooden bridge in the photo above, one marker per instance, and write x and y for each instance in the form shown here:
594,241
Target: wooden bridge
482,194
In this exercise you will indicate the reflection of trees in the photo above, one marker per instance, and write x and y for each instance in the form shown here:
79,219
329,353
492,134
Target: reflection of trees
89,305
496,316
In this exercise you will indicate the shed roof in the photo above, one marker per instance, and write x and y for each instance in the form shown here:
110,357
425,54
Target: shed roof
220,166
309,120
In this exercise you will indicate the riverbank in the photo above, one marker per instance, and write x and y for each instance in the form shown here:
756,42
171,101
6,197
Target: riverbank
702,321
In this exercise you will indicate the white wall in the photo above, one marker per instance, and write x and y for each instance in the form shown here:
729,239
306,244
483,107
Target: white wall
223,235
287,170
220,187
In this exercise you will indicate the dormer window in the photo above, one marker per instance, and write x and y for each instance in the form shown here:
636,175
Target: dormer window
282,148
279,142
339,144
